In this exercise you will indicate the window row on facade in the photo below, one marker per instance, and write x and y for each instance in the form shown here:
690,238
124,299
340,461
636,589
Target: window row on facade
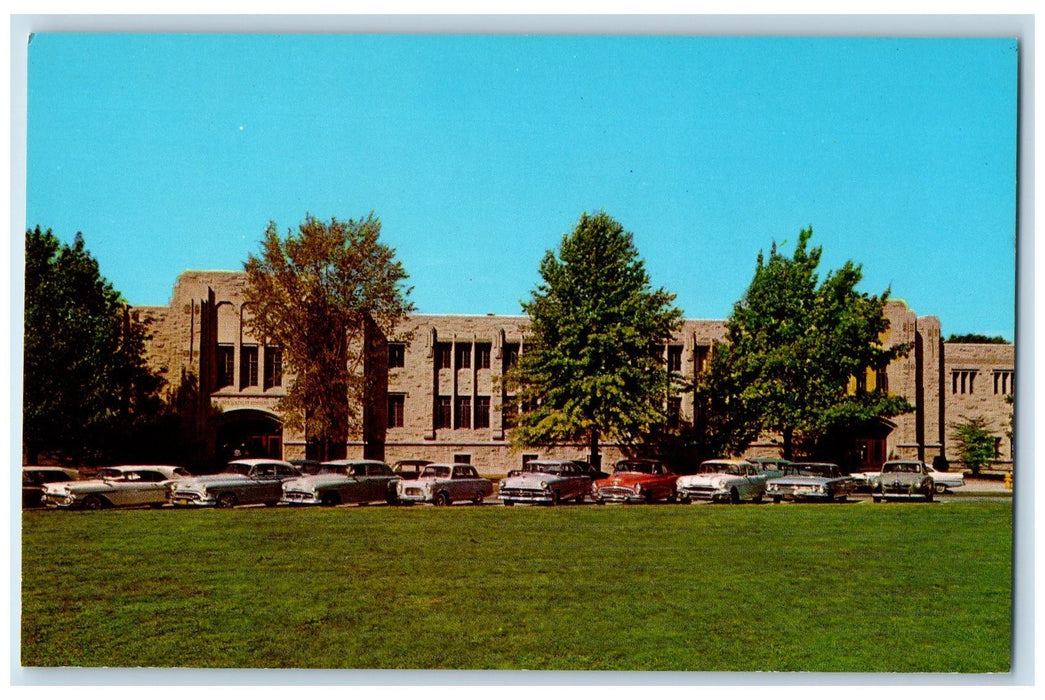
963,381
264,363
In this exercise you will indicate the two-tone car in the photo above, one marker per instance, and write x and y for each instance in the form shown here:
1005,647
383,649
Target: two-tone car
442,484
116,487
244,482
811,481
343,481
903,479
945,481
35,479
410,468
546,482
724,480
636,481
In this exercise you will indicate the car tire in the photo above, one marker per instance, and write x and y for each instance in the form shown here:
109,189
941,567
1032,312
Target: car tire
599,500
734,495
556,498
442,499
876,499
509,503
479,498
941,489
684,500
777,499
757,498
579,499
226,500
330,499
93,503
929,494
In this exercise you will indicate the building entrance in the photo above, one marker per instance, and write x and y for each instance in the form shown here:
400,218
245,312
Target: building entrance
248,433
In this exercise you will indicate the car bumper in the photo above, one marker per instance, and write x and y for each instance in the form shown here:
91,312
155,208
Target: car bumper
619,497
192,501
61,501
698,494
539,497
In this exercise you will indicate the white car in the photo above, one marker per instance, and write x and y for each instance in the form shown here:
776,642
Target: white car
944,481
442,484
732,480
545,481
244,482
127,485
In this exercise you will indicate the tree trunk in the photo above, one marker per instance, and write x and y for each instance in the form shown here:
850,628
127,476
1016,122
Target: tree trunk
788,434
594,458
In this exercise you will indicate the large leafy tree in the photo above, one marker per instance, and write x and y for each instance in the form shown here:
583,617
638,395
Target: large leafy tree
315,293
594,361
87,387
796,348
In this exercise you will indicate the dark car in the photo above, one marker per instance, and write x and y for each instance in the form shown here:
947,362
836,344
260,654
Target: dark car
34,479
811,481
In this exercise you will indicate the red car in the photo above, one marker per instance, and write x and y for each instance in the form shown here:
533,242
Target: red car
636,481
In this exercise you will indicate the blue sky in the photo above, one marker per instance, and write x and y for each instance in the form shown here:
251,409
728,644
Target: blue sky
173,152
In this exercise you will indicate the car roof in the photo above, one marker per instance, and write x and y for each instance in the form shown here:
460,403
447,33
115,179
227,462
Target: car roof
351,462
260,460
138,467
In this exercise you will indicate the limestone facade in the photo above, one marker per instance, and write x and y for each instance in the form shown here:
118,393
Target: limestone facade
439,395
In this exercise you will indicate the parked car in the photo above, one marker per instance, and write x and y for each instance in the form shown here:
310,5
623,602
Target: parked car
862,480
810,481
34,479
903,479
410,468
945,481
343,481
730,480
244,482
771,465
636,481
114,487
545,481
442,484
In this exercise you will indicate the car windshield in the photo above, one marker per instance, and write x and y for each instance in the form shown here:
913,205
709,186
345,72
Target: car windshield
110,474
441,472
543,467
640,467
719,468
898,467
239,468
826,470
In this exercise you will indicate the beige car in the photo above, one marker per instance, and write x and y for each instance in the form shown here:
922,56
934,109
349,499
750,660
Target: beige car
442,484
116,487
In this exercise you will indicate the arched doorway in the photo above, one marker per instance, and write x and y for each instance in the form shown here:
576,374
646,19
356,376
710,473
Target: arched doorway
248,432
869,445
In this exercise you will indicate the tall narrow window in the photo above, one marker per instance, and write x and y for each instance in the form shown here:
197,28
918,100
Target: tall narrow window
248,362
701,353
482,356
674,411
226,365
464,355
464,412
511,355
674,358
482,411
442,412
442,355
396,355
273,367
396,404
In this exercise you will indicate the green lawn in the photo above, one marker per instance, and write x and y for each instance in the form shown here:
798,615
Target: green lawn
855,587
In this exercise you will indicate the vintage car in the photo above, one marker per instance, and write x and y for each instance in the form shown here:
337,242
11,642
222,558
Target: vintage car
545,481
244,482
810,481
442,484
343,481
410,468
114,487
636,481
730,480
944,481
903,479
34,479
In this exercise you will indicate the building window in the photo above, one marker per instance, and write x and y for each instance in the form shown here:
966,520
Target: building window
442,355
462,459
881,381
464,355
482,411
701,353
396,355
396,403
674,358
273,367
674,411
226,365
482,356
962,381
464,412
442,412
509,412
248,364
526,459
511,355
1003,381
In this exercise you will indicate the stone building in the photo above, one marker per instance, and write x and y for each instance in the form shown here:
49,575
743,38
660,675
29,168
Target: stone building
437,394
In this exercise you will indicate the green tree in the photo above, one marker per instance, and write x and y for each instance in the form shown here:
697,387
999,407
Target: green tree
594,362
977,338
795,348
87,387
975,443
316,294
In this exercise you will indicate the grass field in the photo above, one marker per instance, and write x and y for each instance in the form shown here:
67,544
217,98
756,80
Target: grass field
855,587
